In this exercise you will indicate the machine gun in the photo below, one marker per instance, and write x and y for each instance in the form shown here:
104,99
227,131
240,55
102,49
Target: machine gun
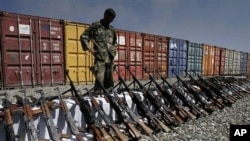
120,107
153,121
197,96
149,95
98,129
221,93
52,129
168,98
8,121
209,93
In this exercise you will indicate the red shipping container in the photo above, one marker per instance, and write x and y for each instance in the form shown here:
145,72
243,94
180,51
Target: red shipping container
32,51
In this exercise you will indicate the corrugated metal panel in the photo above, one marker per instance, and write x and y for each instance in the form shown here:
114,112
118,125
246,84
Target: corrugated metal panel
77,60
222,61
121,57
135,55
177,57
32,51
216,60
149,54
243,63
208,60
236,62
162,56
229,62
155,55
248,64
194,58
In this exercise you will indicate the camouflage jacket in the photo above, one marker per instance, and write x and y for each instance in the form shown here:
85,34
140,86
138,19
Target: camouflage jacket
104,40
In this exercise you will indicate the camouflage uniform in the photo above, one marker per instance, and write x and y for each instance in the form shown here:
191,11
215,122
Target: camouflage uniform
105,46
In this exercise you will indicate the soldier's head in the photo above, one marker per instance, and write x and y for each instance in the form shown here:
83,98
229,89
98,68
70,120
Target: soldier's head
109,15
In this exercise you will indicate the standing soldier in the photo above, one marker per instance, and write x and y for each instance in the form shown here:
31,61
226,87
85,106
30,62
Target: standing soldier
103,35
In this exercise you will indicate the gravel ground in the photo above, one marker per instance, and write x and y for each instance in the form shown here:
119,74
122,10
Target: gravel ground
214,127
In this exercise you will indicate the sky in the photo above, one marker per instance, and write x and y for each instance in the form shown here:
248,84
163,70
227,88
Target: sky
223,23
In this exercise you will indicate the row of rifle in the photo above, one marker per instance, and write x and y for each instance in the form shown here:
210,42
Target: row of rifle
160,106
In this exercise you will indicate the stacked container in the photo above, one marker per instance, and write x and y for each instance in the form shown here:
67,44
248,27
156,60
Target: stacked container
31,51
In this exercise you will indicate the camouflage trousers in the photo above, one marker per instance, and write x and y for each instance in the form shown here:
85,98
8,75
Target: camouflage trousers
104,73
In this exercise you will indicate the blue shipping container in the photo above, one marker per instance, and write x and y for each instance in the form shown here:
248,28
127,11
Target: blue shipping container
177,57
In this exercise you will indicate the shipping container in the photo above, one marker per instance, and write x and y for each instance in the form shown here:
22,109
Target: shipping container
31,51
177,57
154,55
121,56
222,61
248,64
243,63
134,51
236,62
217,60
229,62
194,58
208,60
77,61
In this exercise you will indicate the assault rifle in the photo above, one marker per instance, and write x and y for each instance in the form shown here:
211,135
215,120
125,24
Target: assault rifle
226,98
165,95
8,121
149,94
52,129
211,95
196,95
107,119
174,99
98,129
68,117
120,107
28,117
153,121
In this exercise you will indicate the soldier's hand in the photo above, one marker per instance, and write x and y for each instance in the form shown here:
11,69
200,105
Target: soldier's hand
92,51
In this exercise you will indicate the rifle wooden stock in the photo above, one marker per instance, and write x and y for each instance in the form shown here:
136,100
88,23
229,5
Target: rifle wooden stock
107,121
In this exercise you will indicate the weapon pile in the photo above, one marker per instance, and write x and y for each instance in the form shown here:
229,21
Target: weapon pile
160,106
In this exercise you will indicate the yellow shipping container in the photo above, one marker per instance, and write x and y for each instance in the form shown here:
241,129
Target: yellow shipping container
77,61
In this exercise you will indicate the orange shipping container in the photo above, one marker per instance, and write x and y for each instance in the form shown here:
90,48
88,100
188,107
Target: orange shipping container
208,60
216,60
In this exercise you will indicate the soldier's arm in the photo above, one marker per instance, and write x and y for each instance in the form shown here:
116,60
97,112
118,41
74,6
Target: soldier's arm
85,38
